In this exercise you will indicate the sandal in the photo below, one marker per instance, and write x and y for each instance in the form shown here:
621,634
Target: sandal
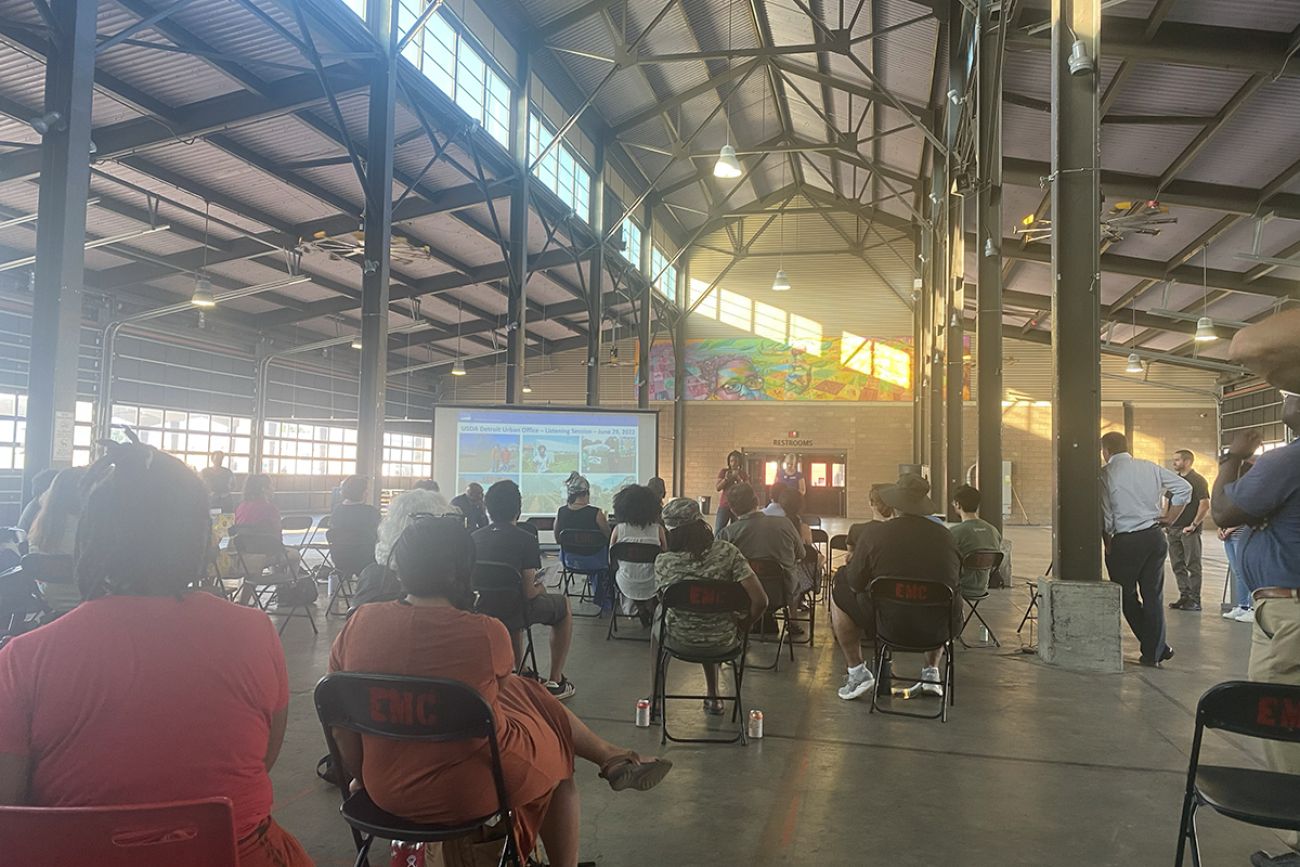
714,707
627,771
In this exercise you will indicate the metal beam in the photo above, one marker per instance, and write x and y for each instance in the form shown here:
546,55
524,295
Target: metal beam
60,235
1076,296
954,247
988,253
517,260
679,99
596,309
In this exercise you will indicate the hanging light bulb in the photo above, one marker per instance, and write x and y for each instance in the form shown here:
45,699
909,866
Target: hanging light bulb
458,368
1134,363
781,283
356,342
527,389
1205,330
202,297
727,166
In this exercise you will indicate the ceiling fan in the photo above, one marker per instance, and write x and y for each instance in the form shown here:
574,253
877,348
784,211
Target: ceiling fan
1123,219
352,246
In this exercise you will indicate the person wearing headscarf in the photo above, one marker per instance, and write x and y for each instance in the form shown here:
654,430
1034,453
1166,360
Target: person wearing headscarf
579,514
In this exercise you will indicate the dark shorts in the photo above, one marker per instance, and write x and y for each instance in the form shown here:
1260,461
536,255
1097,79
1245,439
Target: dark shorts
548,609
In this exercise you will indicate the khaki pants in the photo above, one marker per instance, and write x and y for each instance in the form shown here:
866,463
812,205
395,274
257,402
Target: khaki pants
1275,658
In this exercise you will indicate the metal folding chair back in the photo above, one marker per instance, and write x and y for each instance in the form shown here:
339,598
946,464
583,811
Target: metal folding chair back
627,552
296,524
438,710
1267,711
722,598
580,543
541,523
912,616
191,833
500,590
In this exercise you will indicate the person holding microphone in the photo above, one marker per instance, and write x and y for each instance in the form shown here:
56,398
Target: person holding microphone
728,477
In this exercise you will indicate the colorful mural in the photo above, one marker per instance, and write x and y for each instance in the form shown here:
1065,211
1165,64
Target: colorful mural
751,368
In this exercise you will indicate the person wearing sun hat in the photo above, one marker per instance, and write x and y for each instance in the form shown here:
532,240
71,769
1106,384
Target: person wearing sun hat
695,555
909,545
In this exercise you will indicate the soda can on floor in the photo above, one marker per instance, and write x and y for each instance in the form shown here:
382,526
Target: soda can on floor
643,713
755,729
404,854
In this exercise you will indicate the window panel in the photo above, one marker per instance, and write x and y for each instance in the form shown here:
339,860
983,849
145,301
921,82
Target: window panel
632,243
358,7
187,435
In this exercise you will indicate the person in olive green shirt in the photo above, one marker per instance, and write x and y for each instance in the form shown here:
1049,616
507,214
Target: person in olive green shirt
973,534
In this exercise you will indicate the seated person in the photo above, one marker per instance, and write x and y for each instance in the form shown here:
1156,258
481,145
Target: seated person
909,545
256,509
378,582
470,504
503,541
579,514
879,512
763,537
808,571
657,485
774,495
148,691
431,633
54,531
638,509
354,528
973,534
694,555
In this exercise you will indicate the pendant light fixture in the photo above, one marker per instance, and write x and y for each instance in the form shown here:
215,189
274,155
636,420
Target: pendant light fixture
728,166
1205,325
781,282
1134,364
203,297
458,368
356,342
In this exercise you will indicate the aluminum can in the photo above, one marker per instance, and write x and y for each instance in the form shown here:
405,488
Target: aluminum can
643,713
755,729
404,854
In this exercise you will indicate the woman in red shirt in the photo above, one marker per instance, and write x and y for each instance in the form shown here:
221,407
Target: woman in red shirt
431,633
148,692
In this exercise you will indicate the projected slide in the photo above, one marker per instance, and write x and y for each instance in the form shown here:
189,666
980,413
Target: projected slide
539,449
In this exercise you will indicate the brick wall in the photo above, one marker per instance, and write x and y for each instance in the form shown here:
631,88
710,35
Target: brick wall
877,438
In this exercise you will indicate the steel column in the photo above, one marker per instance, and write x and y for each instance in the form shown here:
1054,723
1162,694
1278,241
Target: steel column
646,310
1128,420
517,300
595,294
954,250
679,386
989,254
1076,287
377,220
938,298
920,311
60,238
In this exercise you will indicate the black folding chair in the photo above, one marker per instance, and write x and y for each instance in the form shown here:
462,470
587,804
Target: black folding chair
839,542
500,591
912,617
627,552
414,709
718,598
812,520
983,563
300,526
1268,711
772,577
350,552
822,542
22,608
580,543
266,569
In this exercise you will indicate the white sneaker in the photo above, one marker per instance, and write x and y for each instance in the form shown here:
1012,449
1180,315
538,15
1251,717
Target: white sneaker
1231,613
857,685
1244,615
931,683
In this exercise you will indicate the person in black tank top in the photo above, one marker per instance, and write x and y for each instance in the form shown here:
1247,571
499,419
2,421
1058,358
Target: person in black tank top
579,514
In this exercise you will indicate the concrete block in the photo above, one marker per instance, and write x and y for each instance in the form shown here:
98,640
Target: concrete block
1080,625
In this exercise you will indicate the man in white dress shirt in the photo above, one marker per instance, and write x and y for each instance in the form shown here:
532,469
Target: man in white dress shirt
1133,520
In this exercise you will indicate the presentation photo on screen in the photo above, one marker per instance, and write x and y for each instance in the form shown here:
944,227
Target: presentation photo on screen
539,448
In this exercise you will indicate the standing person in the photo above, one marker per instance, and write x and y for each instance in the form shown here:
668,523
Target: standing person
791,476
220,482
1184,535
471,506
1133,520
1265,503
728,477
148,692
502,541
55,532
1244,610
973,534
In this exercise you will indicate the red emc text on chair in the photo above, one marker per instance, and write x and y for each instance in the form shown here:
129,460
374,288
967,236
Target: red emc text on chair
181,834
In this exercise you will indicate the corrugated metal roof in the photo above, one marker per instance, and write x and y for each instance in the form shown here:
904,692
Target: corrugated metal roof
1257,143
1280,16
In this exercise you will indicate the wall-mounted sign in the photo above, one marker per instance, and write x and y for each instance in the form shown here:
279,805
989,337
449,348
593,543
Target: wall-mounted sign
796,443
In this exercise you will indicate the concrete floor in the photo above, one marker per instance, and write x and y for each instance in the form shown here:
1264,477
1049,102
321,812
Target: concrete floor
1035,766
